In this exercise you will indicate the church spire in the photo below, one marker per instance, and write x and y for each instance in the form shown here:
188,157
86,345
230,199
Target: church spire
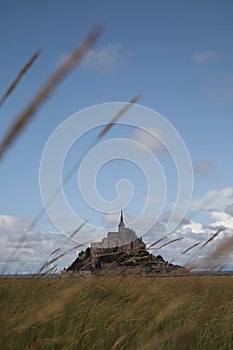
121,223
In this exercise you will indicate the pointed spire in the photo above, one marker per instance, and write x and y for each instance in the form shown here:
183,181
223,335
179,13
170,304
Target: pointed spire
121,223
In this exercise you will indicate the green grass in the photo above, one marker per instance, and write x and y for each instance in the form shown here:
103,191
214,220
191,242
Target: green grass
117,313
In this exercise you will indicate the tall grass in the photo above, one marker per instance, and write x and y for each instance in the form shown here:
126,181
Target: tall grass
117,313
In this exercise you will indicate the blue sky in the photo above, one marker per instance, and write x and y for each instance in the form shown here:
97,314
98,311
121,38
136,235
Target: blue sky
177,54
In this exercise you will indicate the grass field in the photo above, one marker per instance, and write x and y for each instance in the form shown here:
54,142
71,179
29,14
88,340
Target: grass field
117,313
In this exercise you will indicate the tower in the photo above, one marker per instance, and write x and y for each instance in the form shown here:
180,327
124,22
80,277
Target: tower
121,223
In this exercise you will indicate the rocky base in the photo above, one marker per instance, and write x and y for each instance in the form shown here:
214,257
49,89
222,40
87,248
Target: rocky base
137,262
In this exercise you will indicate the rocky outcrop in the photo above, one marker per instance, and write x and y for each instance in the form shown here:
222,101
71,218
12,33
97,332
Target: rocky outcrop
120,260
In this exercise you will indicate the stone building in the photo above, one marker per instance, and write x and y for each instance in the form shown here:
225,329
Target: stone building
124,236
123,240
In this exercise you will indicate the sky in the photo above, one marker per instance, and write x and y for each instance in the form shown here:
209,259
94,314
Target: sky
178,55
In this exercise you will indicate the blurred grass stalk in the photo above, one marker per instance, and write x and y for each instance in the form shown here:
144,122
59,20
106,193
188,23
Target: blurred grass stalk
21,73
49,86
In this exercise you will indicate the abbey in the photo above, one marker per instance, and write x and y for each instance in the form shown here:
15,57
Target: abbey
123,237
119,250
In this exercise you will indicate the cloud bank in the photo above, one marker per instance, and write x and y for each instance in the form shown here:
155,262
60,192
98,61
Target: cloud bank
38,246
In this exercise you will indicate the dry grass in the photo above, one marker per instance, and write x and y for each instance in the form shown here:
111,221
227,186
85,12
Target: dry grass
21,73
118,115
48,88
117,313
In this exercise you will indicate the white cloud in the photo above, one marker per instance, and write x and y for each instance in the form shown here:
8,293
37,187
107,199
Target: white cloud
214,200
106,57
196,233
204,168
151,139
206,56
198,256
194,227
21,248
218,205
9,224
222,219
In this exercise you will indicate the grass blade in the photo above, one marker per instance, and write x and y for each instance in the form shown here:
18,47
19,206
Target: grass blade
49,86
118,115
19,76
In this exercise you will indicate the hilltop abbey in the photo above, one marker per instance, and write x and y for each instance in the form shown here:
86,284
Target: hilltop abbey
119,250
123,240
124,237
